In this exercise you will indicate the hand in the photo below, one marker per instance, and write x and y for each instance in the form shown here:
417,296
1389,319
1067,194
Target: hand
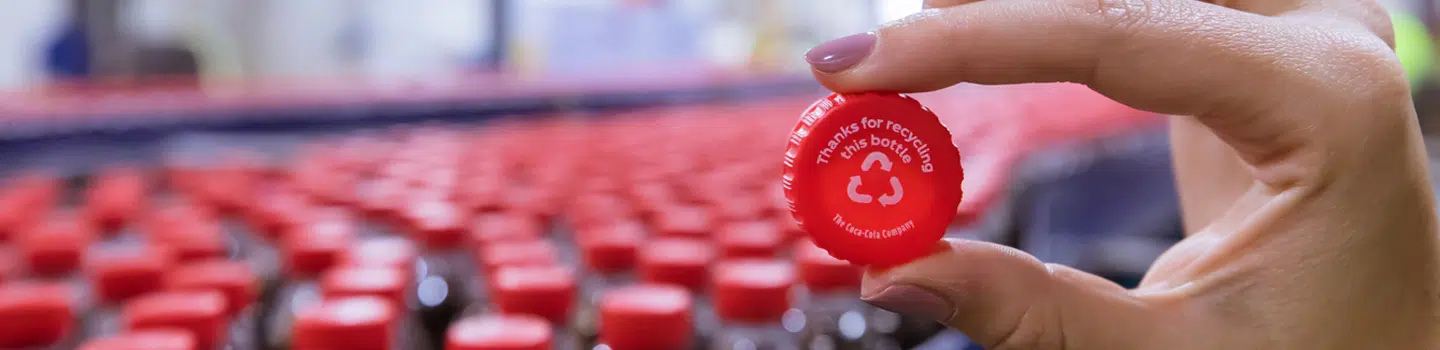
1300,167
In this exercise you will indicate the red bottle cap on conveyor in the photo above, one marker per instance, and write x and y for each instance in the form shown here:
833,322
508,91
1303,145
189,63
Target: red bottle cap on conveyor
194,239
646,317
822,273
56,247
752,291
316,246
504,227
679,220
544,291
122,273
679,261
592,210
437,223
750,239
115,197
499,332
233,279
381,282
355,323
144,340
392,252
200,313
533,252
34,315
874,177
611,249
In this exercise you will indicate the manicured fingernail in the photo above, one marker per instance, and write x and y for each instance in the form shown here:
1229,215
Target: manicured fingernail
913,301
841,54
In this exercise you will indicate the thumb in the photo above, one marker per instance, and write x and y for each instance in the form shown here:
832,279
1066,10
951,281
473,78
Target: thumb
1003,298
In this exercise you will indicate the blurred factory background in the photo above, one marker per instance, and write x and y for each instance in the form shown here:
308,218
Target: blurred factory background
89,85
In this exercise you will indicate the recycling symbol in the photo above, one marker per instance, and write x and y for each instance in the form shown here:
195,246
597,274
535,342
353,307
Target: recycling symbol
896,191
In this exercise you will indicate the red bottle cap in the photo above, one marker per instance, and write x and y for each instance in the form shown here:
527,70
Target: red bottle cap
750,239
547,292
34,315
874,177
357,323
650,197
200,313
381,252
56,247
646,317
233,279
437,223
316,246
504,227
382,282
752,291
194,239
115,197
280,211
611,249
678,261
595,210
823,273
122,273
499,332
144,340
684,221
519,253
788,225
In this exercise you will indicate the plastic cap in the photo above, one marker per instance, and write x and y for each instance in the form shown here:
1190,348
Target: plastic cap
752,291
200,313
750,239
679,261
437,223
594,210
115,197
358,323
499,332
611,249
684,221
823,273
194,239
383,282
144,340
122,273
520,253
56,248
874,177
34,315
233,279
381,252
646,317
547,292
503,227
316,246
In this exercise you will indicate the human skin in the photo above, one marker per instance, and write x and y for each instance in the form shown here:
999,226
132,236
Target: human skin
1302,175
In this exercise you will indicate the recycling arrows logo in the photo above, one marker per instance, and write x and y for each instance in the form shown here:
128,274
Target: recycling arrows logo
896,190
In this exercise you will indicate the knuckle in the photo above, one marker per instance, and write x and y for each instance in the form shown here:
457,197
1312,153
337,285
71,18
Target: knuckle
1122,14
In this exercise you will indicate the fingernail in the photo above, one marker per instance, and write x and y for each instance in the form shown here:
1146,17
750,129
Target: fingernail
841,54
912,300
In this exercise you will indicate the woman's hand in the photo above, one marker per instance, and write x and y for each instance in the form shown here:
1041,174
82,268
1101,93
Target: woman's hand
1300,166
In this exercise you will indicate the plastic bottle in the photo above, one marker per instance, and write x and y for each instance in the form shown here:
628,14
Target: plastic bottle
645,317
500,332
835,318
546,292
236,281
353,323
309,250
118,274
686,263
751,298
202,314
